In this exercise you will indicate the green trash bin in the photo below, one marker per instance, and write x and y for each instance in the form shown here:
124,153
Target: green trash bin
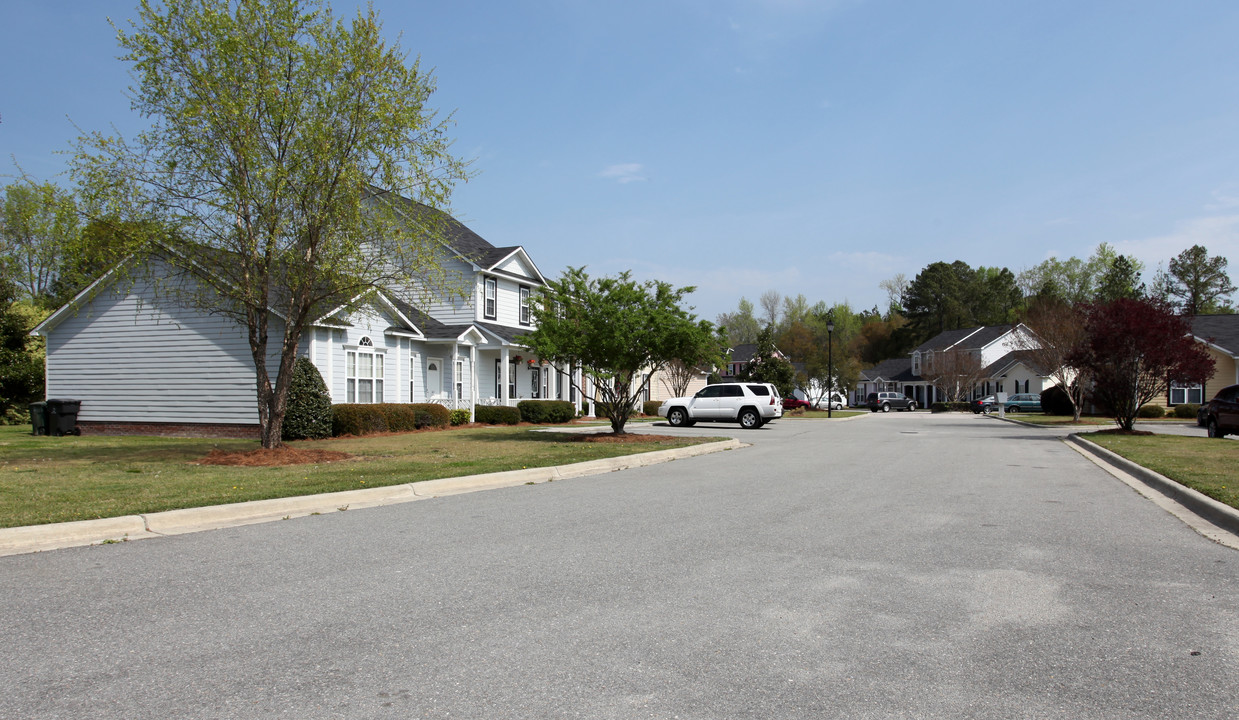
38,418
62,417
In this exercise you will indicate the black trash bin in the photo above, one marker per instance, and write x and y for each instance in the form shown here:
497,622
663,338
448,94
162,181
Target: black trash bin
62,417
38,418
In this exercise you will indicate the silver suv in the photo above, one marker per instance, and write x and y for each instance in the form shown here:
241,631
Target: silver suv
750,404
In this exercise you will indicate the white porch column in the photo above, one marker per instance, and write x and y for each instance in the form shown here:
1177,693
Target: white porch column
473,381
452,364
504,354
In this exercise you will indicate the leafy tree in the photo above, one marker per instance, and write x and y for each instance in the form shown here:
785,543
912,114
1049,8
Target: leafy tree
1198,282
741,326
938,298
1133,350
1120,280
895,287
767,367
616,330
101,245
696,357
281,139
21,357
994,298
39,222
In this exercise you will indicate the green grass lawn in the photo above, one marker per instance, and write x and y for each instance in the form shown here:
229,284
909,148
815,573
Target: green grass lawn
1208,465
56,479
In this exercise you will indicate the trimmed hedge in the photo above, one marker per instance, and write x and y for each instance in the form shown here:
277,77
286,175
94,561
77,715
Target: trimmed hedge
546,412
308,412
650,407
1186,411
1151,411
459,417
496,415
951,407
359,419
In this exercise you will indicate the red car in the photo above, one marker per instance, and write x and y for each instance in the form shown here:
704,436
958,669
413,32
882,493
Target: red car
793,403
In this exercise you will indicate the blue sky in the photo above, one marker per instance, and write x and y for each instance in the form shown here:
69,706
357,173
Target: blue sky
740,146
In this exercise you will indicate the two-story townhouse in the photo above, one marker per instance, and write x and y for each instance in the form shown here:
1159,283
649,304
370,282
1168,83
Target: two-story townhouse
994,353
140,364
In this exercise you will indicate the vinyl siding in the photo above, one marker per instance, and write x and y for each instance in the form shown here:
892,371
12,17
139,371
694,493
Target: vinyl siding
130,359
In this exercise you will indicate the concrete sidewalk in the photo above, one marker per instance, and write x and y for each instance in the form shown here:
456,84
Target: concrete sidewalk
34,538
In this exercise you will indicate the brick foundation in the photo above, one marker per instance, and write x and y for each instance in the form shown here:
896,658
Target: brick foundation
195,430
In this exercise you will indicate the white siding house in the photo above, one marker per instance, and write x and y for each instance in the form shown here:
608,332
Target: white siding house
141,364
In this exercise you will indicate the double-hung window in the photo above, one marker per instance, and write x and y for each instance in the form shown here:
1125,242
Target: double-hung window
460,379
1180,394
525,316
488,309
363,371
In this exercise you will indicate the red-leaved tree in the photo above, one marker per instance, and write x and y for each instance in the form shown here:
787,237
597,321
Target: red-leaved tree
1133,350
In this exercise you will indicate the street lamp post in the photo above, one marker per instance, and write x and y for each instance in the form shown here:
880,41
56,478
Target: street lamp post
830,367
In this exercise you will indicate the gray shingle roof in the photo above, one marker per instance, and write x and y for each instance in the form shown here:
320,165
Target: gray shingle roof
965,338
1016,356
895,369
1221,330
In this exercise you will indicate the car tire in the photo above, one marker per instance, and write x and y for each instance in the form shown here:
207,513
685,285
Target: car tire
677,417
987,410
912,407
1013,409
749,419
1214,430
886,407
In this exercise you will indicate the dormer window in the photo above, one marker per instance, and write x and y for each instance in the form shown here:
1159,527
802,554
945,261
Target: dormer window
525,316
488,300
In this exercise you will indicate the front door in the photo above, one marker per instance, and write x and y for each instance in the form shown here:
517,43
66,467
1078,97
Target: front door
434,377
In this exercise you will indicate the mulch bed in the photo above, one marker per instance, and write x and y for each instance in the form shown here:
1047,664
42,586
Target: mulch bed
1121,431
625,439
264,457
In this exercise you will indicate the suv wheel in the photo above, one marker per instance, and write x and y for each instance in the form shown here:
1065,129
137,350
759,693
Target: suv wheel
1214,430
911,406
749,419
886,407
677,417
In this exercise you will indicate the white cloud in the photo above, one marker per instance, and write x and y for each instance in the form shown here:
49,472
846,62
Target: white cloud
1219,234
624,173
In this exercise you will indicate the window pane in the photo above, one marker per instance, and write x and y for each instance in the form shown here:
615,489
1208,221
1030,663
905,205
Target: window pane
365,392
350,368
352,391
364,365
378,391
378,366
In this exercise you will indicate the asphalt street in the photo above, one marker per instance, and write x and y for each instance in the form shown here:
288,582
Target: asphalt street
894,566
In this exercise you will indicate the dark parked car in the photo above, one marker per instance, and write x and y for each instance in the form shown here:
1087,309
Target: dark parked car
1019,402
1222,413
884,401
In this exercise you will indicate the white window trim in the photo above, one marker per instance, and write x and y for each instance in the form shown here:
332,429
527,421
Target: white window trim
525,315
378,372
490,298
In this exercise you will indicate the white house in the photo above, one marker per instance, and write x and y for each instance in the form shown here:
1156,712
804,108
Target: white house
141,364
1004,366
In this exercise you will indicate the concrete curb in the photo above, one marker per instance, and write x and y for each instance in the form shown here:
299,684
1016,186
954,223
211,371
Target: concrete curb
15,541
1221,515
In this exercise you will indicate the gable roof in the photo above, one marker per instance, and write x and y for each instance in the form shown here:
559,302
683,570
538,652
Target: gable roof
972,338
1016,357
893,370
1220,331
458,237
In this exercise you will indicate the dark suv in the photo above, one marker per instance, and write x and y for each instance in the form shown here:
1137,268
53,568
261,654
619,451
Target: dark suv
884,401
1222,413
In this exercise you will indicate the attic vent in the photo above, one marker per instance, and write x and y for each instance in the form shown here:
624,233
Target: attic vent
365,342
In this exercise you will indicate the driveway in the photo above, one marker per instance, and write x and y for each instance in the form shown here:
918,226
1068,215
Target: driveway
901,565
